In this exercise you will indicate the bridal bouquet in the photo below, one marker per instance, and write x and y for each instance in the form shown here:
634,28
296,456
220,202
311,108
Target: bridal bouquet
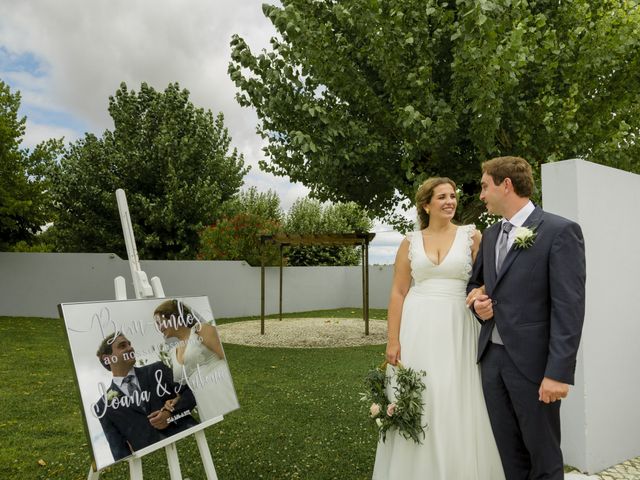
404,412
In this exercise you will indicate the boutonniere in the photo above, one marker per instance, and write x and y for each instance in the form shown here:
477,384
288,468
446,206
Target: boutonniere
111,394
524,237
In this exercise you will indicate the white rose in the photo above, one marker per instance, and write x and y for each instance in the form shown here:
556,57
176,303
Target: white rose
524,237
523,233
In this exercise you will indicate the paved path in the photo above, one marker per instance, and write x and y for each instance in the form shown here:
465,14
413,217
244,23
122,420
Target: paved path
629,470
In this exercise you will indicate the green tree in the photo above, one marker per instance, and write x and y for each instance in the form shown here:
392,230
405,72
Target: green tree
263,204
25,203
308,216
236,236
172,159
360,100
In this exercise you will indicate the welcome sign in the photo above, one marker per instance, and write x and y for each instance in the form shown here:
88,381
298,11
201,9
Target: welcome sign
147,371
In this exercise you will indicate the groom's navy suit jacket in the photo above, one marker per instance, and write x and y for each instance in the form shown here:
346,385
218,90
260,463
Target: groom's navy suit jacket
538,297
127,428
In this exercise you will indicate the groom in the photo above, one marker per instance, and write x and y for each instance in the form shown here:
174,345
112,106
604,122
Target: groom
132,411
532,317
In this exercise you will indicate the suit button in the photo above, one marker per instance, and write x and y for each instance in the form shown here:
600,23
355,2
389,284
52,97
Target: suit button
494,302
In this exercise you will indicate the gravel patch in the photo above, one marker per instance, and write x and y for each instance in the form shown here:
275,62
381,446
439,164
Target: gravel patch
305,333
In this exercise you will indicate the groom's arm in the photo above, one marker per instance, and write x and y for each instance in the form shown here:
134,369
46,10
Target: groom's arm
477,275
482,307
186,400
117,443
165,390
567,276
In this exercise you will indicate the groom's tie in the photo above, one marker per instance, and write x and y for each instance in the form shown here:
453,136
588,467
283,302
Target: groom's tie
503,243
132,386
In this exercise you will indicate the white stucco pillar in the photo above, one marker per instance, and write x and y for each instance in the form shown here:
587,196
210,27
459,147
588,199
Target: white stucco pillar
601,417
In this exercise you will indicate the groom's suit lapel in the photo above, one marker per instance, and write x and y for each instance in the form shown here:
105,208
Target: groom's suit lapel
146,380
114,386
533,222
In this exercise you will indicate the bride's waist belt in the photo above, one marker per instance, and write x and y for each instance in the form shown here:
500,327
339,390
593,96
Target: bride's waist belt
441,287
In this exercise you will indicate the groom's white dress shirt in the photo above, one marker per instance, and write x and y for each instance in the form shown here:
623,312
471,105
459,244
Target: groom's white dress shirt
118,381
517,220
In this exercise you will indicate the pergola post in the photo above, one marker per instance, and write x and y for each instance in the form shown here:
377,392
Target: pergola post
281,272
364,288
282,240
261,287
365,266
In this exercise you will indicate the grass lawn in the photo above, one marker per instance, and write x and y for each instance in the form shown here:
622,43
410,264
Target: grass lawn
300,414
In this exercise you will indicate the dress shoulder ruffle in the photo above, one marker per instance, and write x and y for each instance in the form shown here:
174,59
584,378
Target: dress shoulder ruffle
469,231
411,237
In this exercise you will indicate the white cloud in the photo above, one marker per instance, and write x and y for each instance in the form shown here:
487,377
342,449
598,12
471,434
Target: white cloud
86,48
381,255
37,132
383,247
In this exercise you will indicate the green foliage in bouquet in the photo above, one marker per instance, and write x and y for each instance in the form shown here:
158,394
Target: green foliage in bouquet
404,412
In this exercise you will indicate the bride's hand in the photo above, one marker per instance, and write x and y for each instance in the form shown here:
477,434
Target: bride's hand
393,352
475,293
169,405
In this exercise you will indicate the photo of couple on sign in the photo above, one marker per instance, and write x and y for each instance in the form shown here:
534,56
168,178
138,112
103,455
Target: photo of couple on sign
147,370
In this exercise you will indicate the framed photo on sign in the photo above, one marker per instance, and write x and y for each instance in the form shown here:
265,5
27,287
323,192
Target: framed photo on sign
149,372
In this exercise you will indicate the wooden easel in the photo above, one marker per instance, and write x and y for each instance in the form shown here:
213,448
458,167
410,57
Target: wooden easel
145,289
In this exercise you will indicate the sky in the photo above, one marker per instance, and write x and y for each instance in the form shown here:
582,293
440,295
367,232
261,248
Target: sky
67,57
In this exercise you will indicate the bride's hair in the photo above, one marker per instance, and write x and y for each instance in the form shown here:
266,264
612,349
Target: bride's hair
424,194
176,309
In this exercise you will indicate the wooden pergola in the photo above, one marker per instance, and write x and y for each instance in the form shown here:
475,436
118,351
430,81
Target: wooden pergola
282,240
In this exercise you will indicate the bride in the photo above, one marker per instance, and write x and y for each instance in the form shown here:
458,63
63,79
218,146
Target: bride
197,359
430,328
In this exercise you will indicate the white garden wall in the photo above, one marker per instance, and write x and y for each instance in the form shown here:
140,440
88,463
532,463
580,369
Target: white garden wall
32,284
601,417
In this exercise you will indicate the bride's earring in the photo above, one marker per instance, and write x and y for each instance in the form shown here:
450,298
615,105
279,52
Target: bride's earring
426,210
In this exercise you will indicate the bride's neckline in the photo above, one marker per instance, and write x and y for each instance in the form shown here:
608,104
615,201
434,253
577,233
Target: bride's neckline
424,248
182,348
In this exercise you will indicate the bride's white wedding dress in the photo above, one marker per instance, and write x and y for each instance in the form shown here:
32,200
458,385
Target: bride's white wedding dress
208,377
439,334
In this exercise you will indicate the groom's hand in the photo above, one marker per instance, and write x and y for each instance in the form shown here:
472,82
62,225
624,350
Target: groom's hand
159,419
551,390
483,307
473,294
